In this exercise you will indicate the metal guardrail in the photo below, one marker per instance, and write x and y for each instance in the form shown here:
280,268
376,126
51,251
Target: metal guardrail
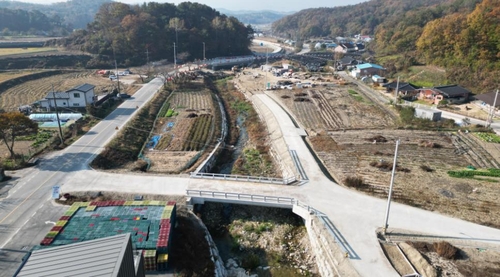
242,178
243,197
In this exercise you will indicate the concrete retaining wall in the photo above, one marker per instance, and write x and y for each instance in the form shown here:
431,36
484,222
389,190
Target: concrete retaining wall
330,257
279,148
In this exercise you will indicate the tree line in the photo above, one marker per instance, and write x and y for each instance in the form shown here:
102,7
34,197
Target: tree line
132,34
22,22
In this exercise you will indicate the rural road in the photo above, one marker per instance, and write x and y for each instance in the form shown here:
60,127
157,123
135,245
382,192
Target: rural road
26,214
26,208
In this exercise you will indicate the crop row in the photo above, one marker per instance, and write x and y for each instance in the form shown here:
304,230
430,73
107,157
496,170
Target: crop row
492,172
198,133
164,109
488,137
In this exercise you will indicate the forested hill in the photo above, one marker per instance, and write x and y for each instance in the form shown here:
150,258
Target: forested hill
15,22
73,13
353,19
128,32
461,35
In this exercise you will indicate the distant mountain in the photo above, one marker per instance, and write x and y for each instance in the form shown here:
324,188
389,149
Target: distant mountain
75,13
255,17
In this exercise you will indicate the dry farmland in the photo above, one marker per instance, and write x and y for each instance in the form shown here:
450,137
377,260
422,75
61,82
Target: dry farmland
31,91
334,108
185,126
343,124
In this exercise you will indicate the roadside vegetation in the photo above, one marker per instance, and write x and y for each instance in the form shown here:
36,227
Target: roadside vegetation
125,148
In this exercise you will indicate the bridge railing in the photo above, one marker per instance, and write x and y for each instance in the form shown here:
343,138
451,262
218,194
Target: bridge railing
242,197
286,201
242,178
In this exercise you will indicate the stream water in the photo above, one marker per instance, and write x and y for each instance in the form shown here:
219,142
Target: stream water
227,167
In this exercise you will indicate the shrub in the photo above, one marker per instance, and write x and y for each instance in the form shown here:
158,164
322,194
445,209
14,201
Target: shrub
250,262
426,168
446,250
354,182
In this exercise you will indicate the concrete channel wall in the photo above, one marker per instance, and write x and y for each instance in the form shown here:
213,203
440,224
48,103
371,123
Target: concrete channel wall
332,253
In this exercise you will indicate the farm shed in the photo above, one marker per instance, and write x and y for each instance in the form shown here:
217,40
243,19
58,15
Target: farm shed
111,256
433,115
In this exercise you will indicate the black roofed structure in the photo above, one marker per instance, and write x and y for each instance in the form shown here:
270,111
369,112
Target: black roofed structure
453,91
488,98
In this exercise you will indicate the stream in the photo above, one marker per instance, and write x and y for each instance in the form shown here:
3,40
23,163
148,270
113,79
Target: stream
227,167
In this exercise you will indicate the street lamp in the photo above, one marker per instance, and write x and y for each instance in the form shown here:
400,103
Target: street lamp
203,50
386,225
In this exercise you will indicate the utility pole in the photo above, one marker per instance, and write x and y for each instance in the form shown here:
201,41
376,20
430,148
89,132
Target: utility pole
204,51
117,77
397,91
386,225
492,111
175,59
57,116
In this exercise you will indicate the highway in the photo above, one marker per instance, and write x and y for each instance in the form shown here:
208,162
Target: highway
26,214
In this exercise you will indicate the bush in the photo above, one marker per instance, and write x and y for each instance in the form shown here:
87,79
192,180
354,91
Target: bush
354,182
446,250
250,262
426,168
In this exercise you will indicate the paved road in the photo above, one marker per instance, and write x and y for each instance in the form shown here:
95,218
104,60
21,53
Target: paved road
356,215
26,214
26,208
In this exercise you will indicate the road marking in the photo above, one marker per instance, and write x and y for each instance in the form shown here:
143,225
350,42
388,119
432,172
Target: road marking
28,197
50,222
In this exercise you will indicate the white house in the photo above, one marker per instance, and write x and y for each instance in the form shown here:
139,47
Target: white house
79,96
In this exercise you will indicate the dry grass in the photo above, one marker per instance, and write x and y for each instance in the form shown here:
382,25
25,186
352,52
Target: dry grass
31,91
17,51
8,75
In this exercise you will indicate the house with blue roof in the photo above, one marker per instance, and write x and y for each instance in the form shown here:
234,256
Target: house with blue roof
367,69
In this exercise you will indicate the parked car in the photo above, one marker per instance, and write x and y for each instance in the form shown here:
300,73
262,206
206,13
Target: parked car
112,77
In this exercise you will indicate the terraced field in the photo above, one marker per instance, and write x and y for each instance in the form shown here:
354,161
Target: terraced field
185,126
31,91
424,158
333,109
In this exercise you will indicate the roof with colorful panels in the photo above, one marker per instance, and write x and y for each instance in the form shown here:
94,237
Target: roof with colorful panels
148,222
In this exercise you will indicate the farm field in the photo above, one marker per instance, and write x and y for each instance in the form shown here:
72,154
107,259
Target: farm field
18,51
184,127
324,108
31,91
424,158
7,75
343,124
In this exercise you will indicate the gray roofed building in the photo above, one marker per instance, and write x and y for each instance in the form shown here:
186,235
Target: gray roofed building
488,98
83,88
111,256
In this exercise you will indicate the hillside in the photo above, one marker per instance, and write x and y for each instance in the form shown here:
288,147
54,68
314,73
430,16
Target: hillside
255,17
459,35
74,13
133,34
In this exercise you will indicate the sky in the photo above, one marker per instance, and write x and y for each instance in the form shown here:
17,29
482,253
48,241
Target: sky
237,5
